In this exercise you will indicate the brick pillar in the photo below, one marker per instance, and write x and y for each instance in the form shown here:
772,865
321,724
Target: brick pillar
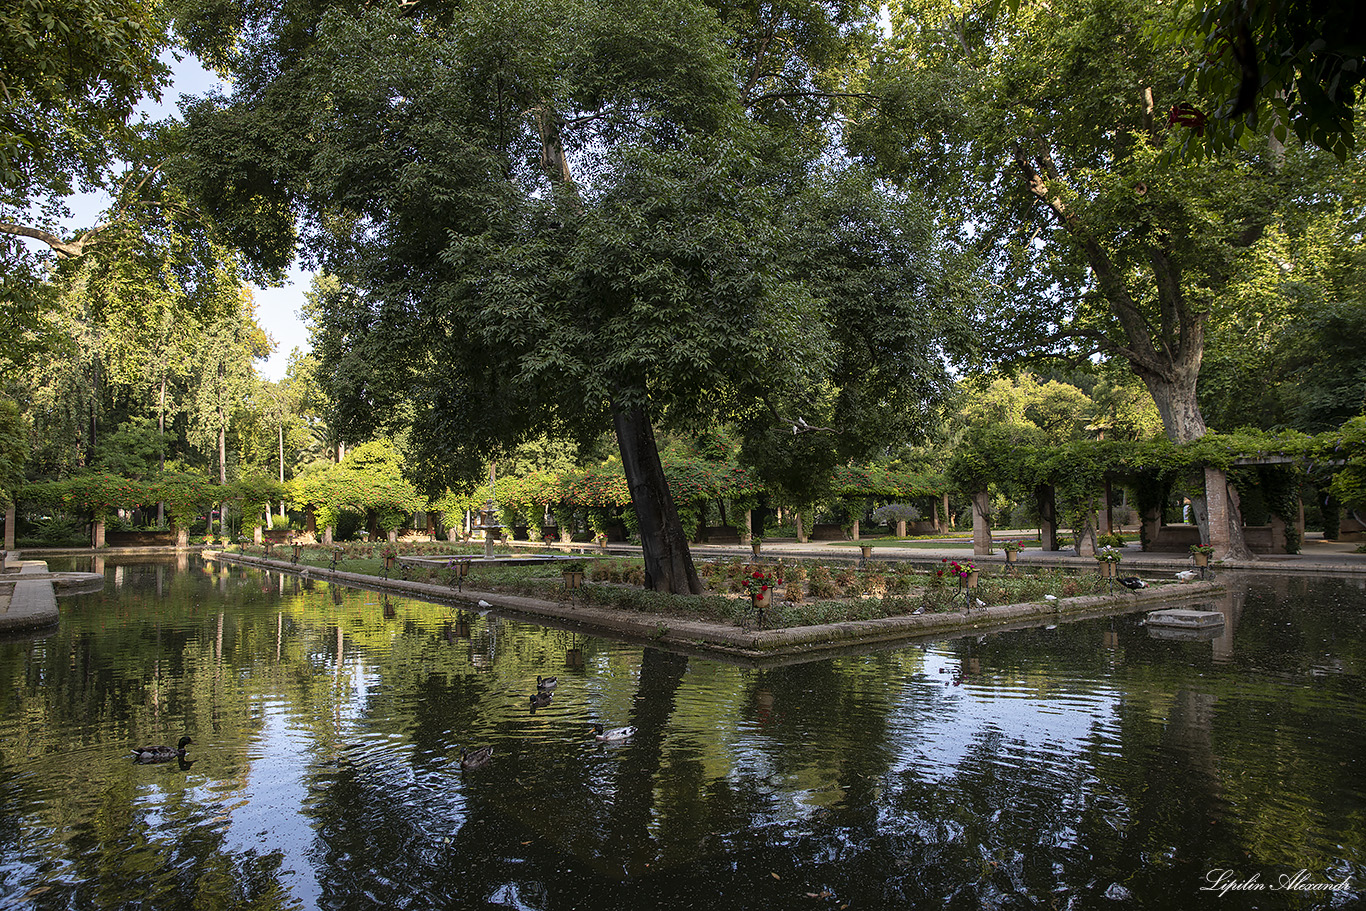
1216,499
981,528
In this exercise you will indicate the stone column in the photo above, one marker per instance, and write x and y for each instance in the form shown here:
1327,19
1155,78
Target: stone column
901,526
327,536
981,528
855,529
1106,507
97,535
11,518
1086,541
747,534
948,516
1151,522
1048,517
801,526
1216,500
1278,527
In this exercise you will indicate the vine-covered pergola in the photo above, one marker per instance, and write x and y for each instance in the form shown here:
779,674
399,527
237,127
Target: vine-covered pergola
1083,474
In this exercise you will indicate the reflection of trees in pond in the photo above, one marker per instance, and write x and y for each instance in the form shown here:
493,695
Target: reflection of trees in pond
826,723
125,851
815,772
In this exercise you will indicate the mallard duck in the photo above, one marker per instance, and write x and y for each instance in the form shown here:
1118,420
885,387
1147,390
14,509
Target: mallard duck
476,759
161,753
615,735
546,683
541,699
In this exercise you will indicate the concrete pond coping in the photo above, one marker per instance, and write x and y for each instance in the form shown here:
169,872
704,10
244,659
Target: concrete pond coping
751,646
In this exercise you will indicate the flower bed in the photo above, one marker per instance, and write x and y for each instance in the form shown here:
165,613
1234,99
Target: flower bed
805,592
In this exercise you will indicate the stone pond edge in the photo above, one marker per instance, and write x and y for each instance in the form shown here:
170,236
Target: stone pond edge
710,637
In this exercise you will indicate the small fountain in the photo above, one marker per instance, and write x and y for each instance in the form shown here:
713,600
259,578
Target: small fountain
490,526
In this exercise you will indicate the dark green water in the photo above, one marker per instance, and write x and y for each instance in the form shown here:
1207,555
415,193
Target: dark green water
1087,766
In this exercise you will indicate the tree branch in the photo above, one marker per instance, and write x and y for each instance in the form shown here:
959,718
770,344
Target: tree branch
65,249
809,94
1140,350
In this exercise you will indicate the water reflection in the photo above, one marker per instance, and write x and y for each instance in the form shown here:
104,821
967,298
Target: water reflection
1039,768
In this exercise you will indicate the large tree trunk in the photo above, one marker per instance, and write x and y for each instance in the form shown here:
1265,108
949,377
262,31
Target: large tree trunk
282,465
668,562
1173,392
161,440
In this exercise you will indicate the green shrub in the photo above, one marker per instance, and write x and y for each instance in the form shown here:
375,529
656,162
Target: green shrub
820,584
58,531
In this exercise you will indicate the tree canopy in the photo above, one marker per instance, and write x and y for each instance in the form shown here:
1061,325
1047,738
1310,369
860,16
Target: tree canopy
576,214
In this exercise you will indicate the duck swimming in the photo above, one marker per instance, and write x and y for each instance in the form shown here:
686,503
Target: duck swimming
615,735
540,699
476,759
161,753
546,683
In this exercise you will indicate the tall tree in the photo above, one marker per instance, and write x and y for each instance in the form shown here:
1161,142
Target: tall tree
225,379
1047,130
562,217
70,76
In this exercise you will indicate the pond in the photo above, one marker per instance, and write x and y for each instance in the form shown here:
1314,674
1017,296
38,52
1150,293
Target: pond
1091,765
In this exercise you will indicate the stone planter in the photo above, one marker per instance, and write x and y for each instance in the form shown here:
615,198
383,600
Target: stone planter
755,546
572,579
1107,569
867,551
972,579
1201,559
761,601
1012,556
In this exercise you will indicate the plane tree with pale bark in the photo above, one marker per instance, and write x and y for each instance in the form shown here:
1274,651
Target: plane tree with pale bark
1055,133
